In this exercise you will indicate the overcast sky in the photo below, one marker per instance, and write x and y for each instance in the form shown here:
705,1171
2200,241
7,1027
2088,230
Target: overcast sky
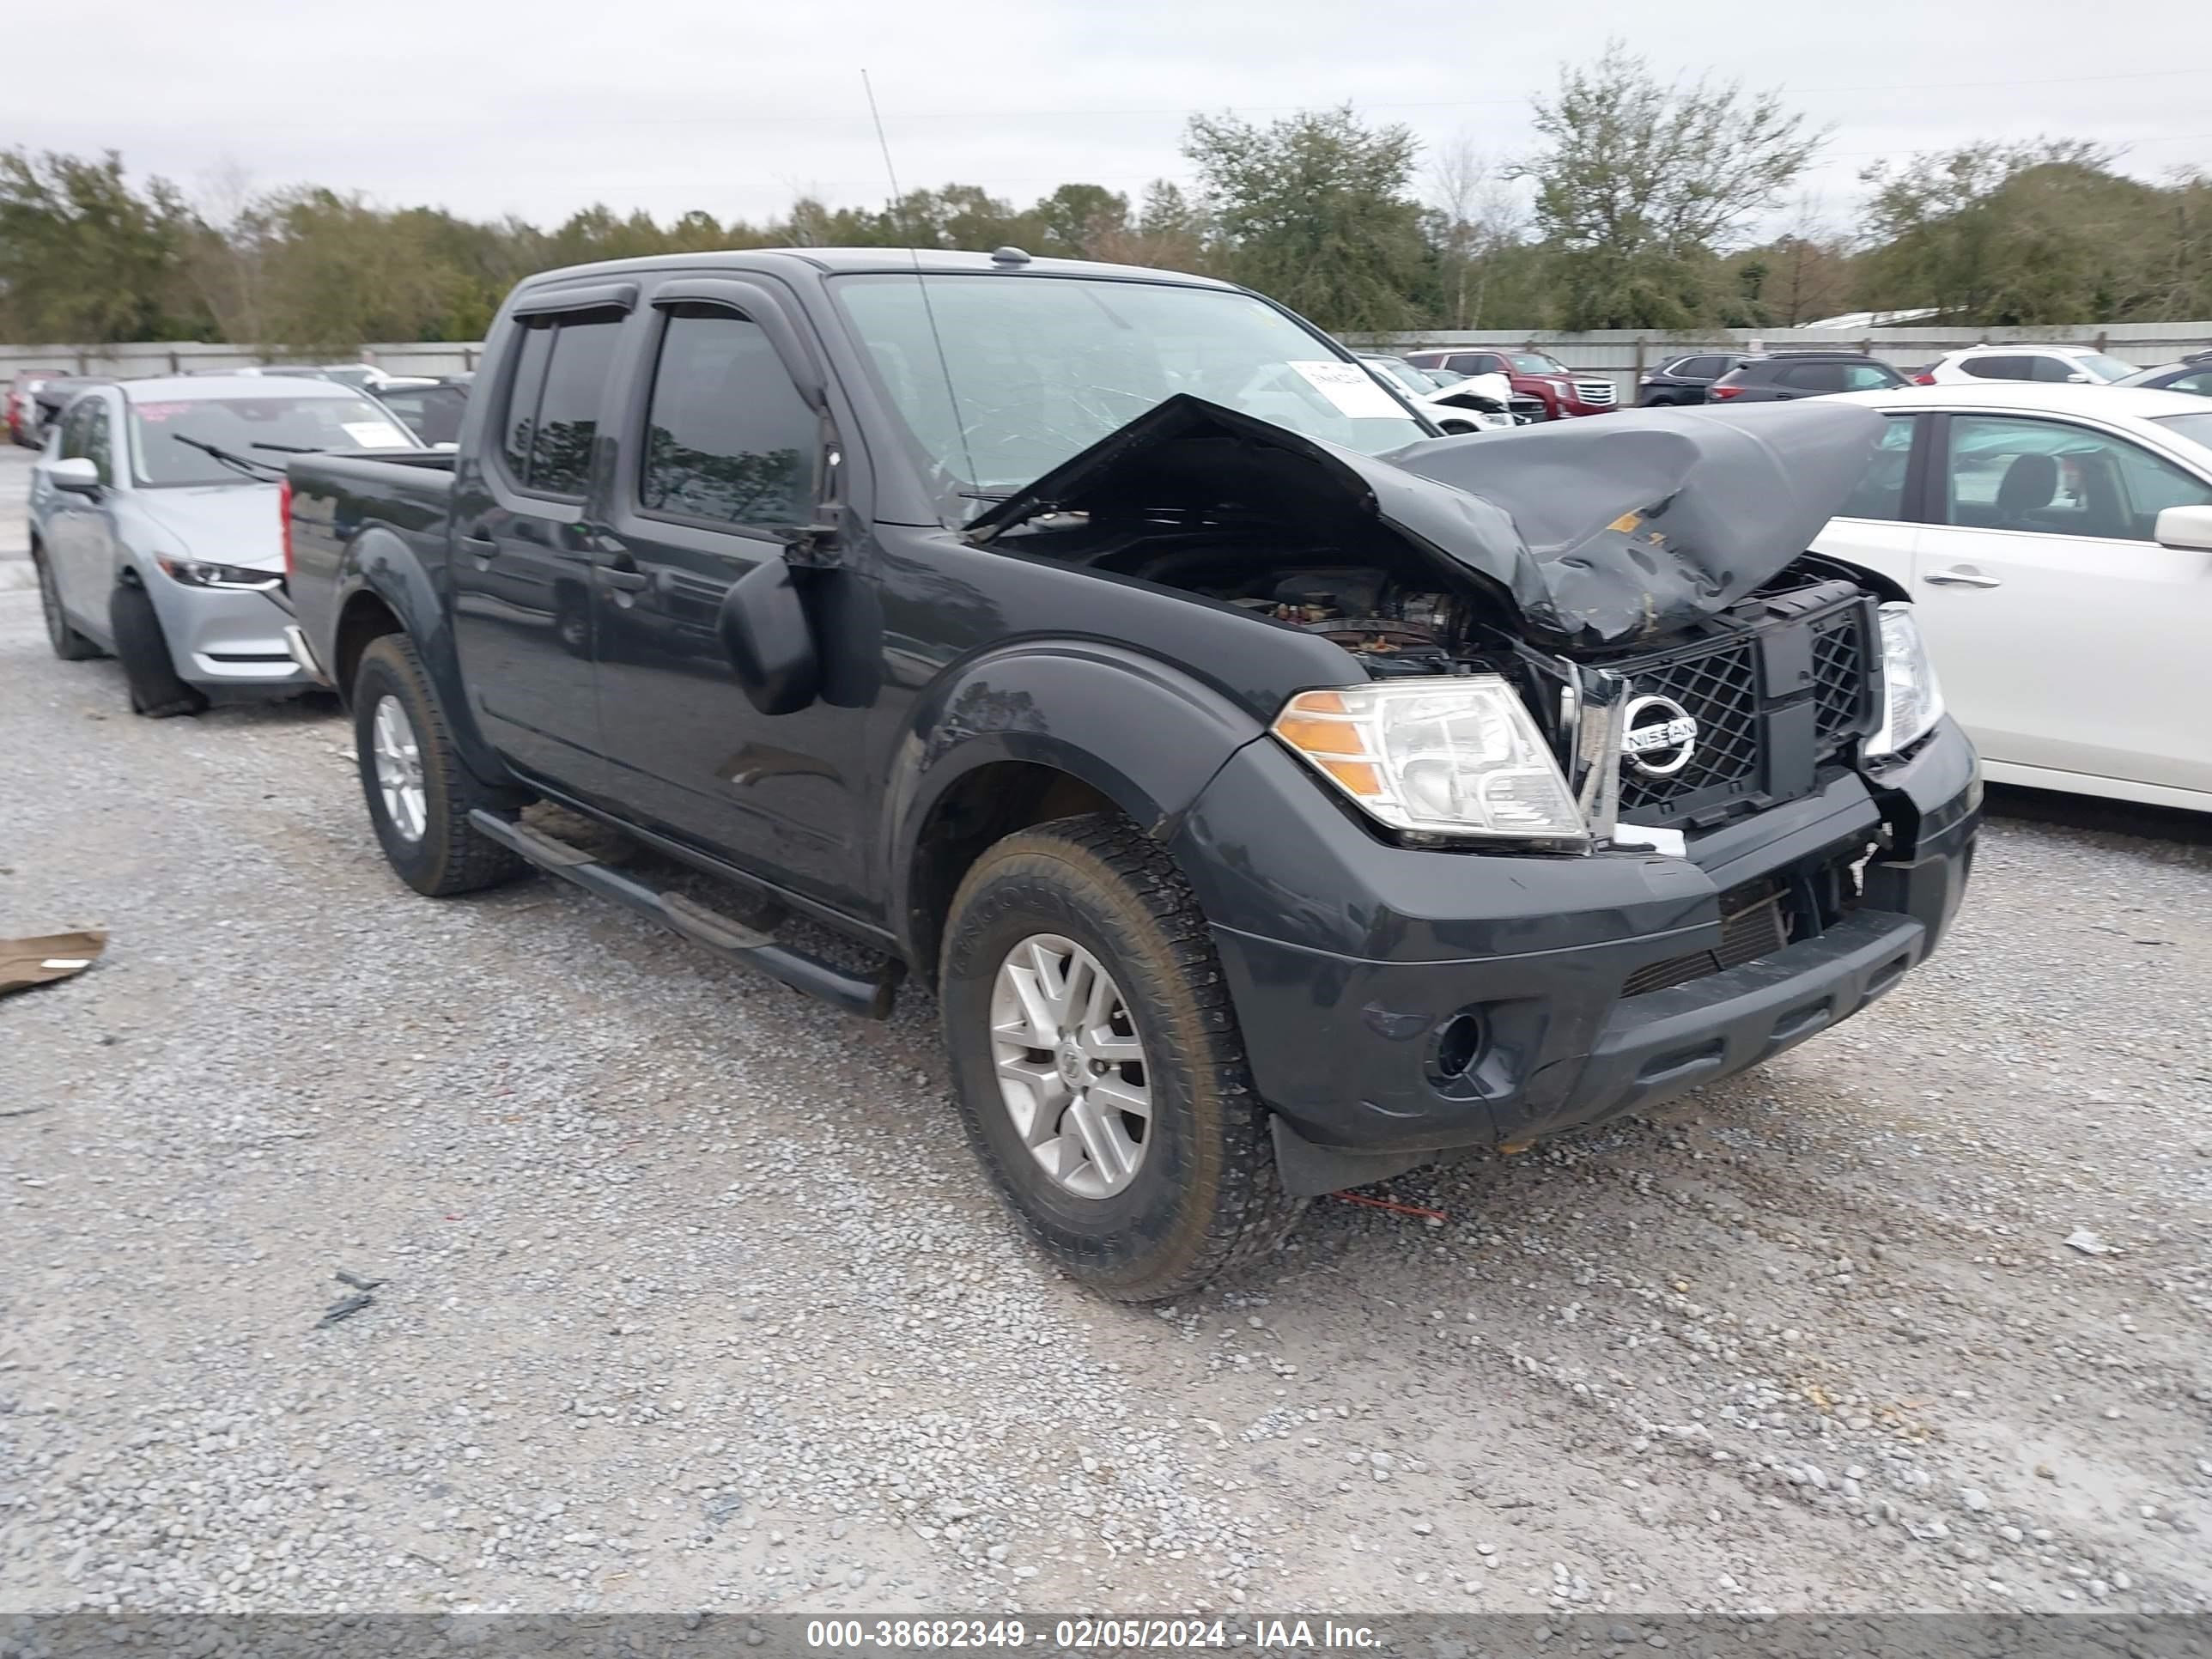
489,107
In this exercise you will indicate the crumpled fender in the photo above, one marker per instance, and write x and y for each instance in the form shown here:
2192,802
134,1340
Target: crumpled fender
1597,531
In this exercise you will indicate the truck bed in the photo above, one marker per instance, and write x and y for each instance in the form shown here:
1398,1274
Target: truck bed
335,499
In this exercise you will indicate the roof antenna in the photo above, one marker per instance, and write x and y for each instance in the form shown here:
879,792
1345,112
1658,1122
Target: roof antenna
922,284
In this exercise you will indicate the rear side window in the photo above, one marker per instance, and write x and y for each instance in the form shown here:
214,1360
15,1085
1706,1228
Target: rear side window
1473,362
729,440
553,405
1813,377
2000,368
523,391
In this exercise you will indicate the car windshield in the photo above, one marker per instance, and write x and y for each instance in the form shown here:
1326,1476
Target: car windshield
2198,429
1535,362
2104,368
998,380
262,430
1403,375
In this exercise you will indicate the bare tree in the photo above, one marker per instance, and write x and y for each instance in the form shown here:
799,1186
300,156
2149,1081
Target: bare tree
1476,213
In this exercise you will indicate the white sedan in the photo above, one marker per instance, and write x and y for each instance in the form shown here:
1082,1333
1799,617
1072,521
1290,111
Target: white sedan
2057,543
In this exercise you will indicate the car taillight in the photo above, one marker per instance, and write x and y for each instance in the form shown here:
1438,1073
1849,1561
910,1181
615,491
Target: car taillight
285,519
1923,378
1722,392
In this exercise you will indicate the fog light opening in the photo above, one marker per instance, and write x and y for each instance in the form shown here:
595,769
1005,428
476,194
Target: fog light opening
1459,1045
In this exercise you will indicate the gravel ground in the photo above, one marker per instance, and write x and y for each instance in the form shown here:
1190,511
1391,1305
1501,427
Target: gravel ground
691,1298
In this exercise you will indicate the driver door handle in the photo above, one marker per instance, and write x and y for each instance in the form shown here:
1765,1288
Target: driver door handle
624,575
1964,575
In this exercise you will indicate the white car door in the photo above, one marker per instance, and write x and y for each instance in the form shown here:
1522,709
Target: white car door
2065,637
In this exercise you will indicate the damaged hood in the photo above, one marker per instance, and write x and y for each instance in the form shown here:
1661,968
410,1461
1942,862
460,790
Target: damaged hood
1597,531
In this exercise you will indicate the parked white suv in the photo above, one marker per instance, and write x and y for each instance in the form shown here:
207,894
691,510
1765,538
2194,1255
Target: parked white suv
2083,365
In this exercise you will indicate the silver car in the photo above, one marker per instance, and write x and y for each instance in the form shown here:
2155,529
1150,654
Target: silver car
158,536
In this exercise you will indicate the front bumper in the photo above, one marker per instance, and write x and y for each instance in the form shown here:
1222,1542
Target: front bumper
1354,1005
228,642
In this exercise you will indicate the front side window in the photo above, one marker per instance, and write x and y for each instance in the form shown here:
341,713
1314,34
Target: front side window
263,429
77,430
1536,363
1869,377
1881,492
728,439
99,442
2051,476
2199,383
2099,367
997,380
1700,368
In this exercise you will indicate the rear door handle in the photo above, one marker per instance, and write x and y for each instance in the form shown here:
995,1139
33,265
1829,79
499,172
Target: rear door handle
1964,575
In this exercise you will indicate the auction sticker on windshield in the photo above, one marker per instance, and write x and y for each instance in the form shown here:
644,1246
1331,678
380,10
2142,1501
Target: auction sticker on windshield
374,435
1351,389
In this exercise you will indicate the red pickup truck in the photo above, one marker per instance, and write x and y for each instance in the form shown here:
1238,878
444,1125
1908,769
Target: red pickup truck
1534,375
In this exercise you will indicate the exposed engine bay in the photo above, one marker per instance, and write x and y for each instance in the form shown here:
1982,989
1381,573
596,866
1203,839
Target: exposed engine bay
1597,534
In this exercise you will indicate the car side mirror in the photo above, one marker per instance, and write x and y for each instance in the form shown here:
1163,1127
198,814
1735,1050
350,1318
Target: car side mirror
2078,378
2185,527
77,475
769,637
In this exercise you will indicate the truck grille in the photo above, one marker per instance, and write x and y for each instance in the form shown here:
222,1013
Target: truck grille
1720,690
1596,392
1843,691
1770,706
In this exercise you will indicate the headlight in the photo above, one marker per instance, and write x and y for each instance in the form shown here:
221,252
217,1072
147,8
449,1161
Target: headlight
192,573
1456,756
1913,701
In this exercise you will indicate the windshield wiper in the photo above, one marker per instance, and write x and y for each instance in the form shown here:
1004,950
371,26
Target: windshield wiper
289,449
245,464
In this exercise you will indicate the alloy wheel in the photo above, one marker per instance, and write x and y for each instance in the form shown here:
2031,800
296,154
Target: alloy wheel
399,761
1070,1066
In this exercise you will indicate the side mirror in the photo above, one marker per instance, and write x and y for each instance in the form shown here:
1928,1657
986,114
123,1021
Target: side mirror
77,475
2185,527
2078,378
769,637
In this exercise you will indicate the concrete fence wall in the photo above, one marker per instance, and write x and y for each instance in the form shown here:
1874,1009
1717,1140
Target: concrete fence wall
1619,353
140,360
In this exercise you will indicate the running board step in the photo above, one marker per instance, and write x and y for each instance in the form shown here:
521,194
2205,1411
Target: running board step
724,935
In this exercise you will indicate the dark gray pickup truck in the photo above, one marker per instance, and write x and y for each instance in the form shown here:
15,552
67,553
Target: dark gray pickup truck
1275,794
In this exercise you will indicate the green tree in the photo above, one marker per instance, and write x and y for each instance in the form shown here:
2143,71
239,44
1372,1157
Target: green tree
1076,220
2043,232
1642,184
1317,209
86,259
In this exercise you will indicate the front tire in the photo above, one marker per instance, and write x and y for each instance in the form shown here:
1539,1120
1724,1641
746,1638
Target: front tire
418,791
69,645
1098,1066
141,647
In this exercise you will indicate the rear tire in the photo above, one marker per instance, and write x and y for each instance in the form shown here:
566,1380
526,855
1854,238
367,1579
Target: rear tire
419,791
69,645
156,691
1201,1197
